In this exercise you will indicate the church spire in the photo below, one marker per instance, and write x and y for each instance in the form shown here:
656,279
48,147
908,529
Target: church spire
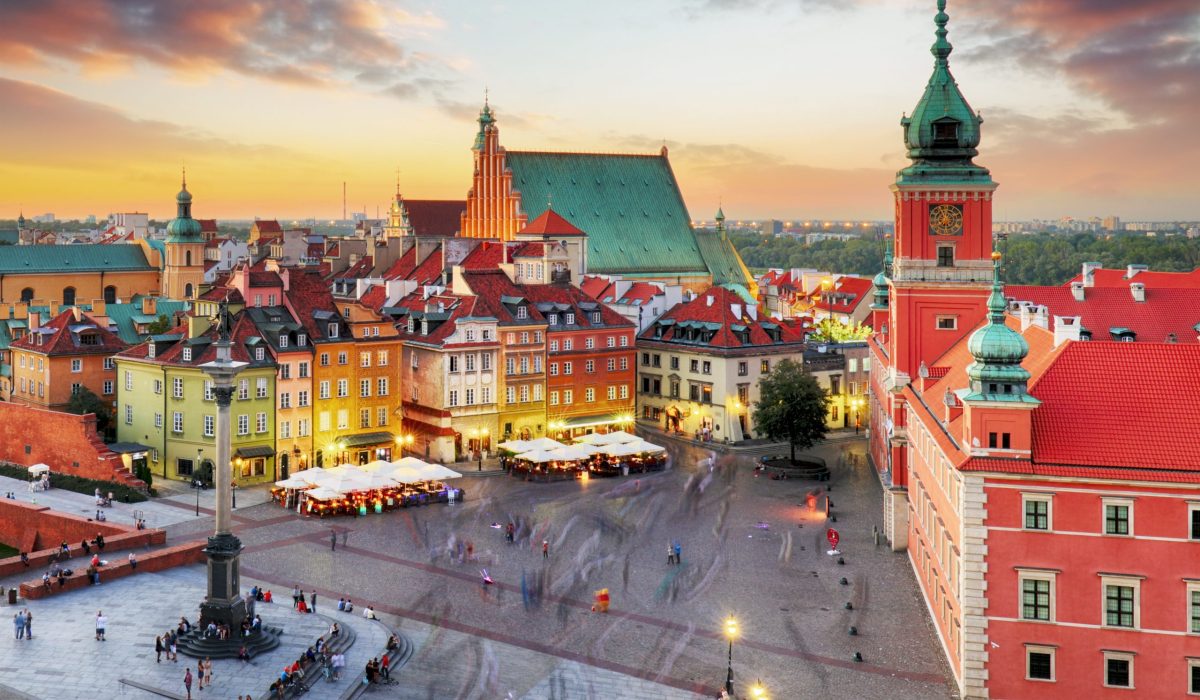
486,119
997,374
941,48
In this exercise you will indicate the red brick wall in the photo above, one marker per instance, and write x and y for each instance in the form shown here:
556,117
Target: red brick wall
31,528
65,441
118,567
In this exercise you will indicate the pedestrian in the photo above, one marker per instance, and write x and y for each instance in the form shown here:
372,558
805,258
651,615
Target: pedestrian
545,549
100,541
101,624
172,646
18,625
384,666
187,682
678,553
345,535
200,674
332,540
28,624
341,604
296,595
312,602
87,549
46,580
208,670
133,561
670,553
158,650
25,559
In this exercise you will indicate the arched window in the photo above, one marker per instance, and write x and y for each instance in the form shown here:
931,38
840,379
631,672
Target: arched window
187,260
110,294
187,291
27,294
68,297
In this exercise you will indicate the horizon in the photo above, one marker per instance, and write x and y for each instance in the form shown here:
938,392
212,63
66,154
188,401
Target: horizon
108,103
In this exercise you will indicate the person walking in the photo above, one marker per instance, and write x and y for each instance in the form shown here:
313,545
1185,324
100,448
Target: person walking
18,625
345,535
384,666
208,671
296,596
200,674
28,624
678,553
187,682
158,650
312,602
101,624
670,553
545,549
332,540
172,641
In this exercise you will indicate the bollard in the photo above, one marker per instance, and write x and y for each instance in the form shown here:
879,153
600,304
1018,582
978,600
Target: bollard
844,582
841,561
853,631
849,605
858,656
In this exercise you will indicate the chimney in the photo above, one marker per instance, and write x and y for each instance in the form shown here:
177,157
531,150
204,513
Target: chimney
1077,290
1132,270
76,314
1138,290
1040,316
35,320
708,300
99,307
285,274
53,309
954,407
736,310
1089,268
149,306
1066,328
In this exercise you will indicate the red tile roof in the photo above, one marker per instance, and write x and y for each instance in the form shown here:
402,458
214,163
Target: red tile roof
430,269
359,270
434,217
1164,311
1120,405
259,278
266,226
1102,277
375,297
528,250
595,286
207,225
1024,466
403,267
845,296
486,256
549,223
715,306
63,334
308,292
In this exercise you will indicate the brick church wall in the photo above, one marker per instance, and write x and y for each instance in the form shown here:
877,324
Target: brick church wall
68,443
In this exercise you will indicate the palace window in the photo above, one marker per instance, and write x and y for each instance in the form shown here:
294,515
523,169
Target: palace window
1121,602
1039,663
1037,511
1118,517
1118,669
1037,596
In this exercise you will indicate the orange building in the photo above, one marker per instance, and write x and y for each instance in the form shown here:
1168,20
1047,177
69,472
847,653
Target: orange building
53,361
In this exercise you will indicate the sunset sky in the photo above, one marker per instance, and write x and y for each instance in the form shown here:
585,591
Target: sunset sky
784,108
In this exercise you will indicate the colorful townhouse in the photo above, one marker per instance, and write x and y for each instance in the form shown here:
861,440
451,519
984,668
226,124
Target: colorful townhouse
165,402
52,362
701,363
287,342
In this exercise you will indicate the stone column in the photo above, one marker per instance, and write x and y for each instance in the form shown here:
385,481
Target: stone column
224,396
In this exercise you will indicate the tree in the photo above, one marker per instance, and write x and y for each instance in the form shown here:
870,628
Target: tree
85,401
160,326
830,330
792,406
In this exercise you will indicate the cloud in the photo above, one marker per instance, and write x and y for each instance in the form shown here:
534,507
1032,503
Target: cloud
318,43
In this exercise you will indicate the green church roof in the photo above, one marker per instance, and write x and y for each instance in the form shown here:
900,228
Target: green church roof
126,316
65,259
629,205
943,132
183,228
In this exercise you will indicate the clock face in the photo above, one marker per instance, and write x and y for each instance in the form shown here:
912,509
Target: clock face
945,220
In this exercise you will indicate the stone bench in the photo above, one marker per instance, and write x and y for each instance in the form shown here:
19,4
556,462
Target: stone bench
157,560
42,559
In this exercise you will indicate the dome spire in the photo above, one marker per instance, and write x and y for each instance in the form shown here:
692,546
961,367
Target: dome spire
941,48
997,374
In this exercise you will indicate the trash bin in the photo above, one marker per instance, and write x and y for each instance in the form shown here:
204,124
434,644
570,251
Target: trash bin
12,596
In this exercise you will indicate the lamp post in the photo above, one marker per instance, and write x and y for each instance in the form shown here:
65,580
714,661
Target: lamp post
482,434
758,692
196,484
731,631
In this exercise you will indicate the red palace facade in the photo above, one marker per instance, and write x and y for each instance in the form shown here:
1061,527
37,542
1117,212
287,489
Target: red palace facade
1045,487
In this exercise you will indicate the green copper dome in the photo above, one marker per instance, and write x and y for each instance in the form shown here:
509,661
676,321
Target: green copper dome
485,120
943,132
998,351
183,228
880,290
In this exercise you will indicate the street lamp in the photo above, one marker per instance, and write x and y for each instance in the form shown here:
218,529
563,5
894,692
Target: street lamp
857,404
731,631
482,434
758,692
195,478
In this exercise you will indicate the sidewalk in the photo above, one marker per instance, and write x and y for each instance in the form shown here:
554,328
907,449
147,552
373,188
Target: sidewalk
758,445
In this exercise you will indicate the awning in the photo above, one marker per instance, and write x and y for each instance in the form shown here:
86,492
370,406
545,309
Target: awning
123,448
255,451
364,439
588,421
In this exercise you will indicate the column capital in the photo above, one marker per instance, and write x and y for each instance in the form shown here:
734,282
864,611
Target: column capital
223,395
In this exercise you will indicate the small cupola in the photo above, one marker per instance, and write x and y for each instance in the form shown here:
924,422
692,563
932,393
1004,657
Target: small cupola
996,373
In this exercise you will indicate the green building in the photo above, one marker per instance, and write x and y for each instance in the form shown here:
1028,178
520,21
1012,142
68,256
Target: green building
165,402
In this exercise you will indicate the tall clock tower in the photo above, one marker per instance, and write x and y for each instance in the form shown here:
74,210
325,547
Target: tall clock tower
941,271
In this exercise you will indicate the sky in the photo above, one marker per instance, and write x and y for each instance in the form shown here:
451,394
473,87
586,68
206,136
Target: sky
769,108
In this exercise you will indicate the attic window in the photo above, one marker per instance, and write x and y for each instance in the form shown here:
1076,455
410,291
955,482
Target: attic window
333,330
259,354
187,354
283,340
595,317
945,133
552,319
522,312
150,351
301,339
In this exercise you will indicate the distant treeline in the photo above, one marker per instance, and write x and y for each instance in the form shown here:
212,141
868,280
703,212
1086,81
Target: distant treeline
1031,259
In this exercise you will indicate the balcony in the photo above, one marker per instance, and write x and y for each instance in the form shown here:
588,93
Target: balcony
560,276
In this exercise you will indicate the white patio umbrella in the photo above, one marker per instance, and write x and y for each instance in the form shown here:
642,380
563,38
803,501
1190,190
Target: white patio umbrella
309,476
39,469
590,439
619,450
343,469
643,446
405,474
438,471
346,483
573,453
378,480
542,443
376,466
515,445
409,462
323,494
538,456
619,436
293,482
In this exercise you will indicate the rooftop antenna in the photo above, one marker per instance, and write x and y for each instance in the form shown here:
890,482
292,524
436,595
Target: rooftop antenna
343,200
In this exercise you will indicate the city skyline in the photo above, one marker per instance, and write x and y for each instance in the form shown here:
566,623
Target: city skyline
108,101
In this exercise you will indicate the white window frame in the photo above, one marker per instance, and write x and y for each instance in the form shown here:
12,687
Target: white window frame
76,365
1104,503
1048,499
1192,508
1192,662
1024,575
260,388
1193,586
953,326
177,387
1134,582
177,422
210,423
1119,655
260,422
1042,649
243,424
